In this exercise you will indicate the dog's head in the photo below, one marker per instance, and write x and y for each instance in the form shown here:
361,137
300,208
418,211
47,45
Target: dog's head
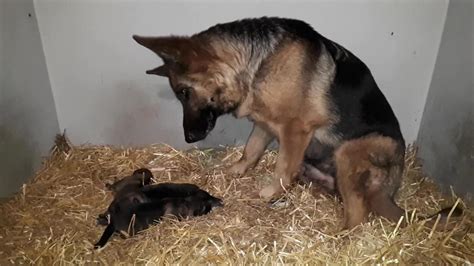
200,79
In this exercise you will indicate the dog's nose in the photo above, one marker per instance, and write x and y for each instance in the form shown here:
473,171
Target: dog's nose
193,136
190,137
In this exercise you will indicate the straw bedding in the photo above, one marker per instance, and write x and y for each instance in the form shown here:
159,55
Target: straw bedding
52,219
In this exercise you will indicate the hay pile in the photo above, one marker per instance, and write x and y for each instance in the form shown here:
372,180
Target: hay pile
52,220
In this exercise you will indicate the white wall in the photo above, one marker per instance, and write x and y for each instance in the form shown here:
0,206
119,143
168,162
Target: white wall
446,138
28,120
103,96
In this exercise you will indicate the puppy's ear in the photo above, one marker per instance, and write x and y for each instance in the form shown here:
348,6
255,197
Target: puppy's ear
136,200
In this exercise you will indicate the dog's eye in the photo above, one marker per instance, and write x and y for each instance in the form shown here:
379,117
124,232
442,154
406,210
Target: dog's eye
184,93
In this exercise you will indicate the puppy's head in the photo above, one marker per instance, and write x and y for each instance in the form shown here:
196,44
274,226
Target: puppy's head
140,177
207,201
122,208
200,78
215,202
144,175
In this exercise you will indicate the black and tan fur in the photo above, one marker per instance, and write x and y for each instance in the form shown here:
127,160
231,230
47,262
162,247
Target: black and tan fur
149,193
135,210
318,100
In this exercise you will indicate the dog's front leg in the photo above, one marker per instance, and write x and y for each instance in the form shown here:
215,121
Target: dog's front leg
294,140
254,149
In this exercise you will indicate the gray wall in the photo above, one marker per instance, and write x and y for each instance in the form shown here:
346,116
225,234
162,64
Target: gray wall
104,97
446,136
28,120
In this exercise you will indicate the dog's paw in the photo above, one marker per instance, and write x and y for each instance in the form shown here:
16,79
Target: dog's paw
239,168
269,192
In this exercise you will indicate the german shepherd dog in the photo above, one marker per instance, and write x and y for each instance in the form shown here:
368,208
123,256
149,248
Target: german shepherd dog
317,99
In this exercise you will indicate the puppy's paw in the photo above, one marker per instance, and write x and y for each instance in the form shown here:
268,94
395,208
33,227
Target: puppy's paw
103,219
109,186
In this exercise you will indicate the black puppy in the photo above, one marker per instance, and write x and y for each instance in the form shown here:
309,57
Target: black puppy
152,193
139,178
134,211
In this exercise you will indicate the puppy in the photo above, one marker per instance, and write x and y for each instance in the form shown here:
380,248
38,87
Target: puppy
134,212
153,193
139,178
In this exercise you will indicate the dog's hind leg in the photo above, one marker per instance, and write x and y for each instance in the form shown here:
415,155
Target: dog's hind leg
355,206
254,149
382,204
369,173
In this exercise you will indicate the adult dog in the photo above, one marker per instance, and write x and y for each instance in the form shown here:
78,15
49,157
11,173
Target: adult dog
317,99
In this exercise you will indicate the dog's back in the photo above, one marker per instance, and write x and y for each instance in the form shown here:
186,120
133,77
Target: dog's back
169,190
181,208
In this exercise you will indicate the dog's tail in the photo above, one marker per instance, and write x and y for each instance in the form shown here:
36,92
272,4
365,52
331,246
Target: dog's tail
444,219
382,202
386,207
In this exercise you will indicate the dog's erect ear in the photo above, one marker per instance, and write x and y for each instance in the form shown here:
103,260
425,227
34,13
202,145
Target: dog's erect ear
160,71
170,49
178,53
